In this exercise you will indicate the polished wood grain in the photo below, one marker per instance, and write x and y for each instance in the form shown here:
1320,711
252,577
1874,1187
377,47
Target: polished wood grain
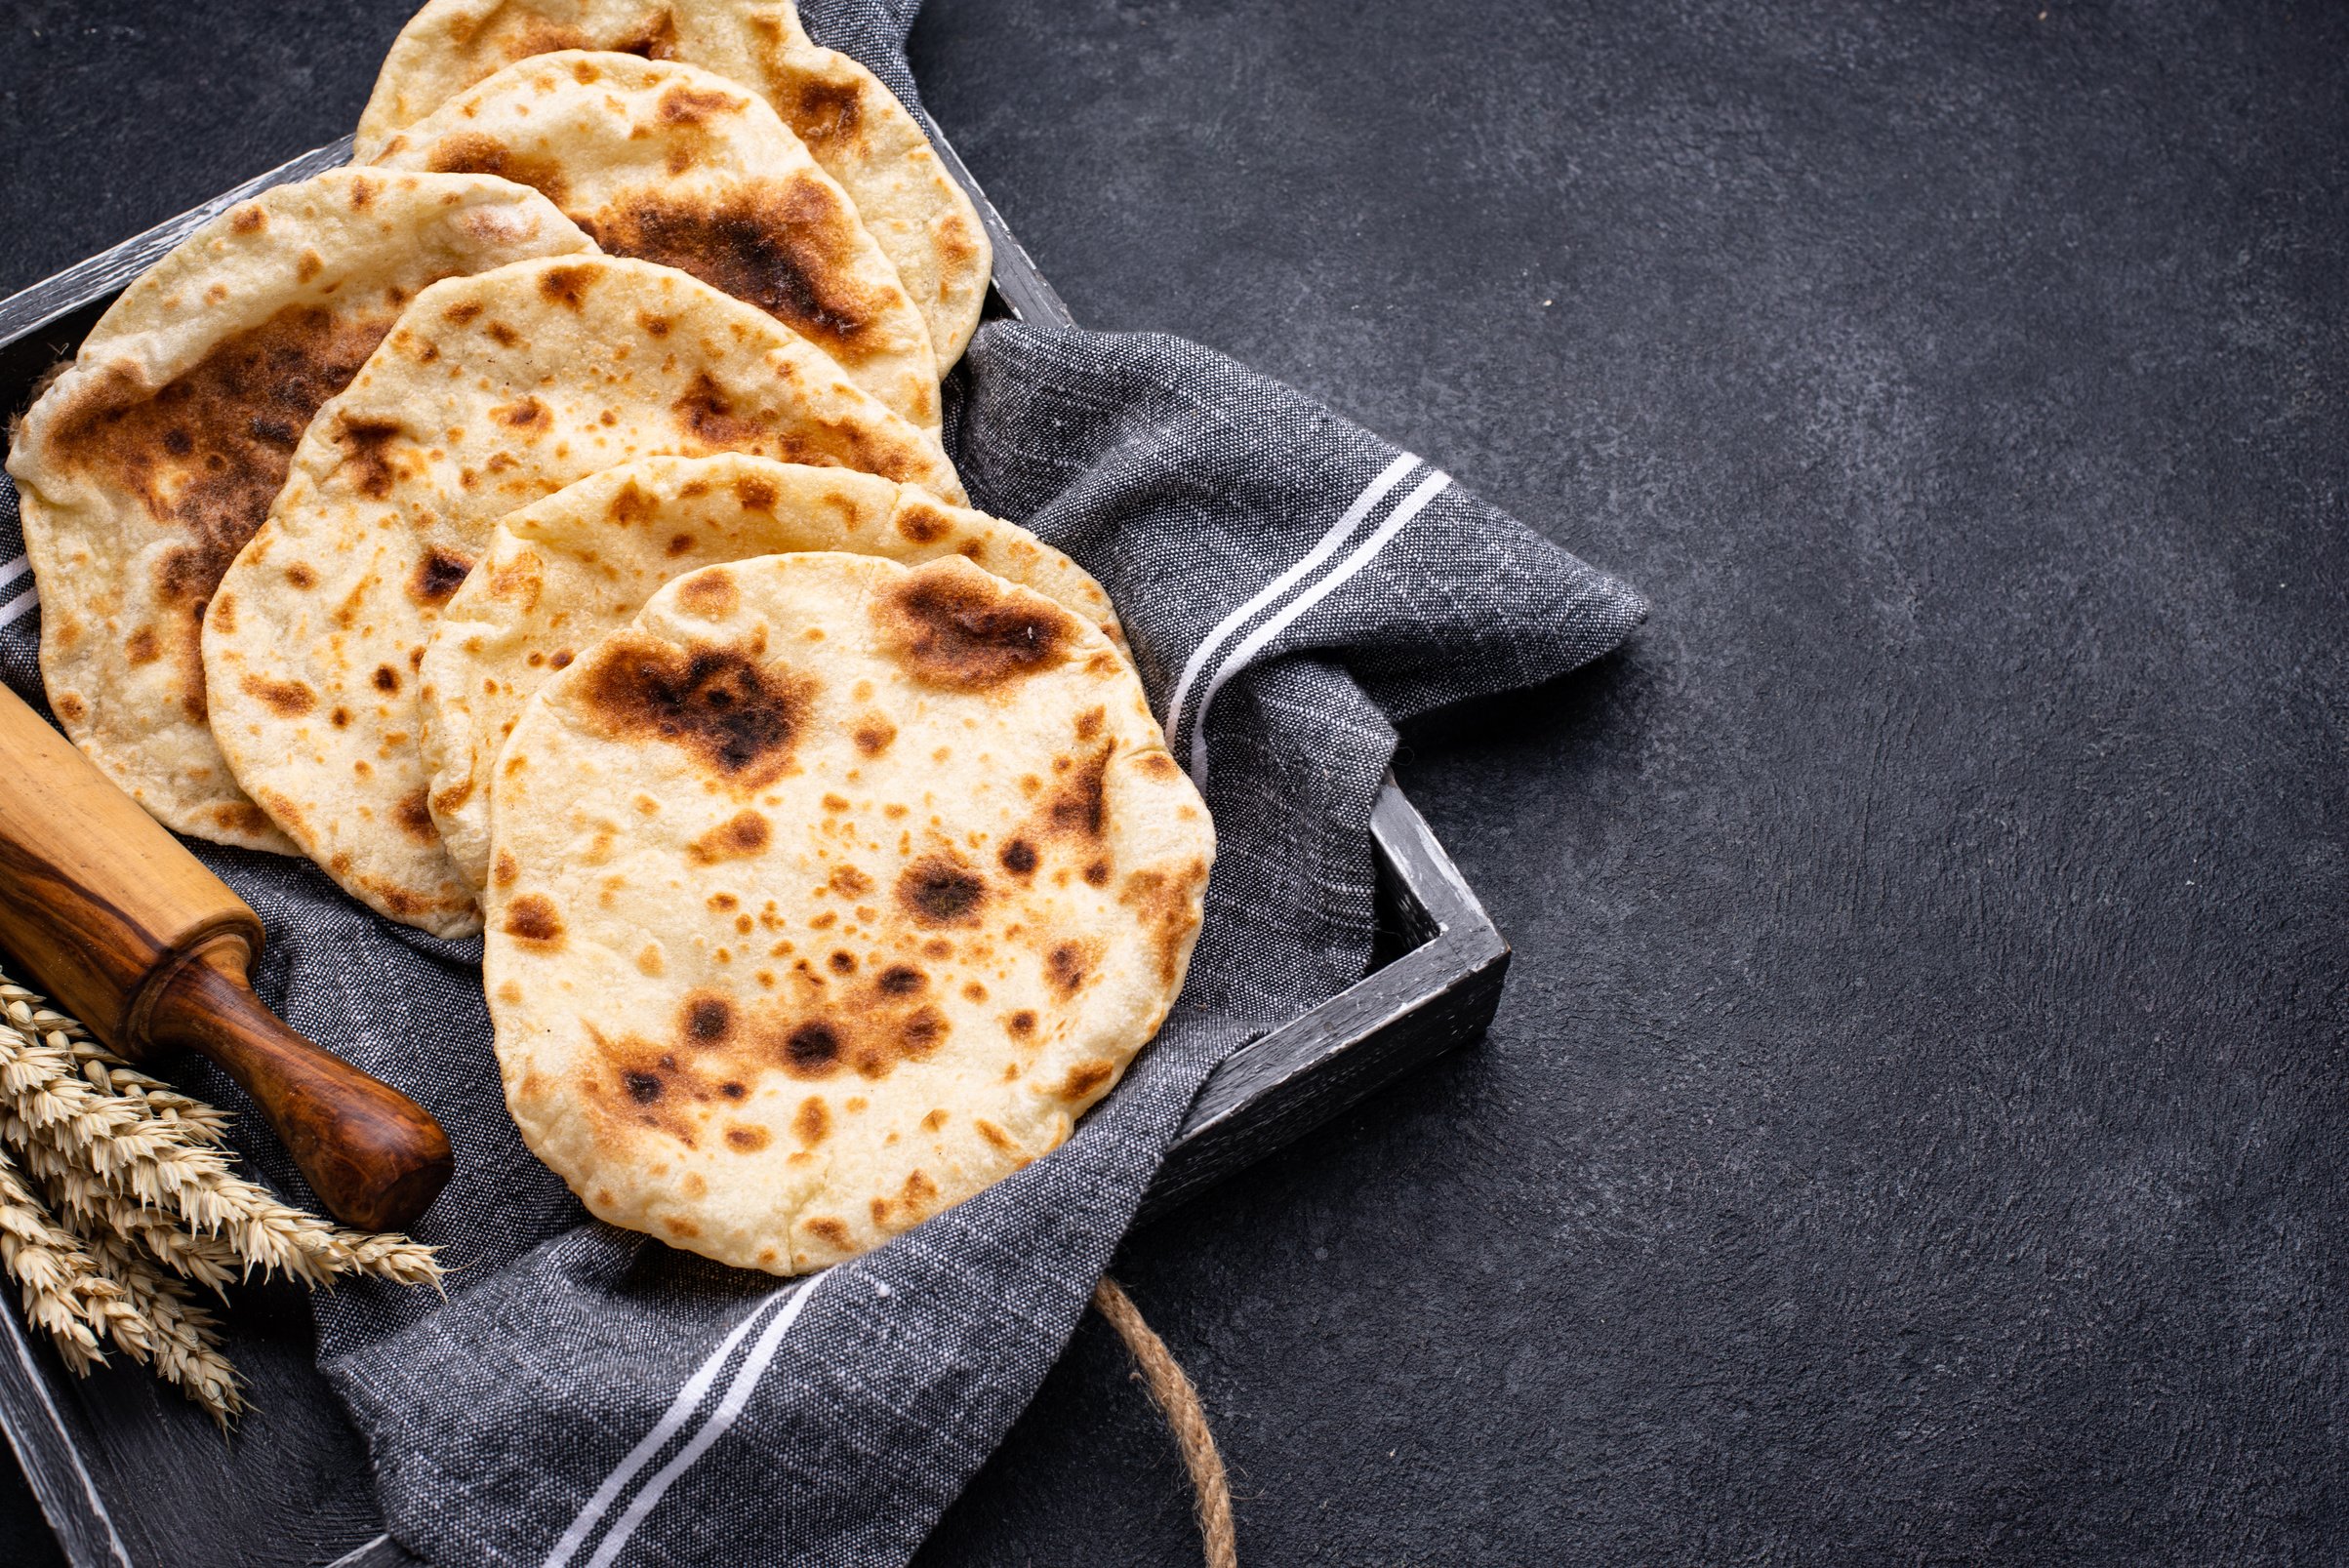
112,916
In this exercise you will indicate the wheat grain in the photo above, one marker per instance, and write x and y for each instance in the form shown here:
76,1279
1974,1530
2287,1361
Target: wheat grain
57,1278
150,1149
183,1339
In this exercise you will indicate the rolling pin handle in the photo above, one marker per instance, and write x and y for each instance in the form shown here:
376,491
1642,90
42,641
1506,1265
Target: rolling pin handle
374,1158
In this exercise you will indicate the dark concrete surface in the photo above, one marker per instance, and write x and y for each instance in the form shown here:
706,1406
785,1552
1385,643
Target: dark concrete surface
1915,1128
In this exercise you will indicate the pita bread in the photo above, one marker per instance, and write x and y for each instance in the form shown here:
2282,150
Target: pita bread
490,392
828,893
563,572
853,126
674,164
147,464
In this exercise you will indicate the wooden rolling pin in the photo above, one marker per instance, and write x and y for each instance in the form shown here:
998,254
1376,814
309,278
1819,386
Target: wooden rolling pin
116,919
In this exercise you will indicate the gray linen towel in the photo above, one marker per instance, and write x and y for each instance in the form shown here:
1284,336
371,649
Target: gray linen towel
586,1396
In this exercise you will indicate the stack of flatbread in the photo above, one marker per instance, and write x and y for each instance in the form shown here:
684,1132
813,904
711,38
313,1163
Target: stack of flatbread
545,519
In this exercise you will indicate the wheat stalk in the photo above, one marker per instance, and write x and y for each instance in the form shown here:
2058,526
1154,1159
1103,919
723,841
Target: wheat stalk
183,1341
156,1149
57,1278
135,1187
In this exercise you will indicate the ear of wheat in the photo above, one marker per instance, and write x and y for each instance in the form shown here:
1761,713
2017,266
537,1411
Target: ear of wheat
117,1192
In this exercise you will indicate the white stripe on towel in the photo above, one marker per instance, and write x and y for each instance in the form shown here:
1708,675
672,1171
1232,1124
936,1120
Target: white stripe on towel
681,1410
738,1395
1245,654
1339,532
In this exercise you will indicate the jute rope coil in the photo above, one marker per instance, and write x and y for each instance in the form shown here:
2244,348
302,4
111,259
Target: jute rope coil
1171,1388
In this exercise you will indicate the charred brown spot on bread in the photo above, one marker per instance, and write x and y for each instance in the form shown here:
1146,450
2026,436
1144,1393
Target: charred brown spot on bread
414,817
1021,1023
530,920
241,817
385,678
940,892
740,837
368,443
527,415
812,1050
954,626
461,312
707,415
471,152
1069,965
826,1230
901,980
811,1121
786,246
822,111
921,1031
874,733
996,1136
1167,904
301,575
706,1020
1085,1079
207,453
505,870
362,194
753,494
1079,804
686,105
1158,765
567,286
711,593
1019,858
143,646
287,699
739,720
249,218
923,524
849,882
842,962
630,505
437,575
748,1138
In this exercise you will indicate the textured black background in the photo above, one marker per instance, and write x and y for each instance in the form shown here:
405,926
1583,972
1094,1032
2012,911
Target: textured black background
1914,1128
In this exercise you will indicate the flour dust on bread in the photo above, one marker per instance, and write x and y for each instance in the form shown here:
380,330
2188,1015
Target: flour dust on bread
852,125
827,893
566,570
489,392
670,163
147,464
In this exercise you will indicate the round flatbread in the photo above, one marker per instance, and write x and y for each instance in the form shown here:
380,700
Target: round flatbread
490,392
149,461
670,163
828,893
567,570
852,125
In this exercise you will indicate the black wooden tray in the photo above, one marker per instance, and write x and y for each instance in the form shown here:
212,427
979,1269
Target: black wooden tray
130,1476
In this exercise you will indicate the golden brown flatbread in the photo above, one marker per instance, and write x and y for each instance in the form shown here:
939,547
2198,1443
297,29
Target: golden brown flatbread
828,893
566,570
854,126
670,163
490,392
147,465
